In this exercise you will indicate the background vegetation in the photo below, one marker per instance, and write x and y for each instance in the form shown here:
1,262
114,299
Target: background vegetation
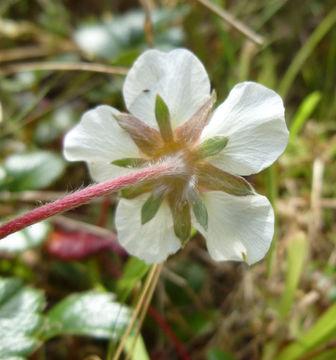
58,277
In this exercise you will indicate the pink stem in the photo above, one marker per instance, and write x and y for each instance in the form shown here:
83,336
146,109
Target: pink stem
79,198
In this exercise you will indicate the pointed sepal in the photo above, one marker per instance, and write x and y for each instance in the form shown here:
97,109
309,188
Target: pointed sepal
180,211
147,139
199,209
151,206
211,147
163,119
130,163
212,178
191,130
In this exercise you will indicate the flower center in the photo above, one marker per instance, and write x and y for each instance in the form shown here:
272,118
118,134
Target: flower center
191,173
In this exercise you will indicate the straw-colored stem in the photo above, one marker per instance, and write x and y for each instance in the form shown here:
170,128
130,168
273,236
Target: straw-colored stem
136,311
63,66
145,308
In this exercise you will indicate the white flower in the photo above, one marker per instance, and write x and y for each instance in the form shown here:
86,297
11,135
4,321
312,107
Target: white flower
168,97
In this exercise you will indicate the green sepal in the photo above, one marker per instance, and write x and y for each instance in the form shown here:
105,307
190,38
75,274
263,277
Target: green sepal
151,206
199,209
163,118
211,147
147,139
133,191
212,178
130,163
182,220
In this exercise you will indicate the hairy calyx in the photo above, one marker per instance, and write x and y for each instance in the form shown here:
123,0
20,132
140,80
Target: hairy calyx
191,174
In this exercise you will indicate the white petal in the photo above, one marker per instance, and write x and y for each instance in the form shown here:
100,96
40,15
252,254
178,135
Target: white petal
238,226
178,76
151,242
102,171
253,118
98,138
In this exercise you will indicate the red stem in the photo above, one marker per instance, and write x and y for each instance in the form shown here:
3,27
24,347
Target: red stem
79,198
169,332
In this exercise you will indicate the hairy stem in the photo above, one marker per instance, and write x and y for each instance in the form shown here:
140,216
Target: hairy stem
79,198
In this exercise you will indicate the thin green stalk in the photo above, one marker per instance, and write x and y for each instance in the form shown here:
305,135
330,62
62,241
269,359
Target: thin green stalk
305,51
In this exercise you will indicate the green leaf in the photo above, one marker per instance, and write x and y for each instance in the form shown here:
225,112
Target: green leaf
219,354
133,272
88,313
163,119
213,178
20,318
306,108
306,50
199,209
211,147
318,335
32,170
139,351
151,206
130,162
25,239
296,253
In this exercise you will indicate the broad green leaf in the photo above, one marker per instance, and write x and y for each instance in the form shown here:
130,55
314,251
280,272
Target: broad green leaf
89,313
55,125
213,178
106,39
20,318
319,334
211,147
163,119
151,206
130,162
27,238
306,108
296,253
133,272
32,170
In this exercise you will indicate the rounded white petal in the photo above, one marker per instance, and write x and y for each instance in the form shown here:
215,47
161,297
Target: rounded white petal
152,242
101,171
240,228
253,118
98,138
178,76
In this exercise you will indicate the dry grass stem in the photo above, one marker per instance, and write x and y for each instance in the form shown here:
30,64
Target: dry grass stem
145,308
139,305
59,66
316,209
238,25
148,26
